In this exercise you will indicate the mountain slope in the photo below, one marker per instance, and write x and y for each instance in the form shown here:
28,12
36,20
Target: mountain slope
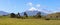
31,13
3,13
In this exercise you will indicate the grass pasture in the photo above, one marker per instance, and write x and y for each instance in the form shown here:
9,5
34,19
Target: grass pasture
14,21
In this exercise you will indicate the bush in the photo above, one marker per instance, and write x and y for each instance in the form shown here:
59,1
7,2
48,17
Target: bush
18,15
39,15
25,14
47,19
12,15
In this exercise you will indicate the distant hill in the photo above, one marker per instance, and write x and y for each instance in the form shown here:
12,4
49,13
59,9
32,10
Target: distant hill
54,15
3,13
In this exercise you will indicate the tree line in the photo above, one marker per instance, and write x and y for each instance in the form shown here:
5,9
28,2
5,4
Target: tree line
13,15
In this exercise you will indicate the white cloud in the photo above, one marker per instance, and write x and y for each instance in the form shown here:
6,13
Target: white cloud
38,8
35,9
30,4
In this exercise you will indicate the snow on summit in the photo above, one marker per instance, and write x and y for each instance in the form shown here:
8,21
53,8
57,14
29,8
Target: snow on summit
32,9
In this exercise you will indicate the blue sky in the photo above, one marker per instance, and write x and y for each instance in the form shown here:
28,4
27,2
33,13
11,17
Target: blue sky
16,6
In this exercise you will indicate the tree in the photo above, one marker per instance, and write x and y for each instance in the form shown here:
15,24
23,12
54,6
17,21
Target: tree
18,15
25,14
39,14
12,15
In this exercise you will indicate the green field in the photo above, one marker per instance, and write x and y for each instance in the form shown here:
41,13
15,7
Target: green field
14,21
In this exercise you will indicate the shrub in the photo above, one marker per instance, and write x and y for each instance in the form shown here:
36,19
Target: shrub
47,19
25,14
18,15
12,15
39,15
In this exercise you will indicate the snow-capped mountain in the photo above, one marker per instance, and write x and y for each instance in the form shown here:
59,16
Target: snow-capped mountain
33,11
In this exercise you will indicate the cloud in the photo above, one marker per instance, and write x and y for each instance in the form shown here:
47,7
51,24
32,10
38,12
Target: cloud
41,10
30,4
32,8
